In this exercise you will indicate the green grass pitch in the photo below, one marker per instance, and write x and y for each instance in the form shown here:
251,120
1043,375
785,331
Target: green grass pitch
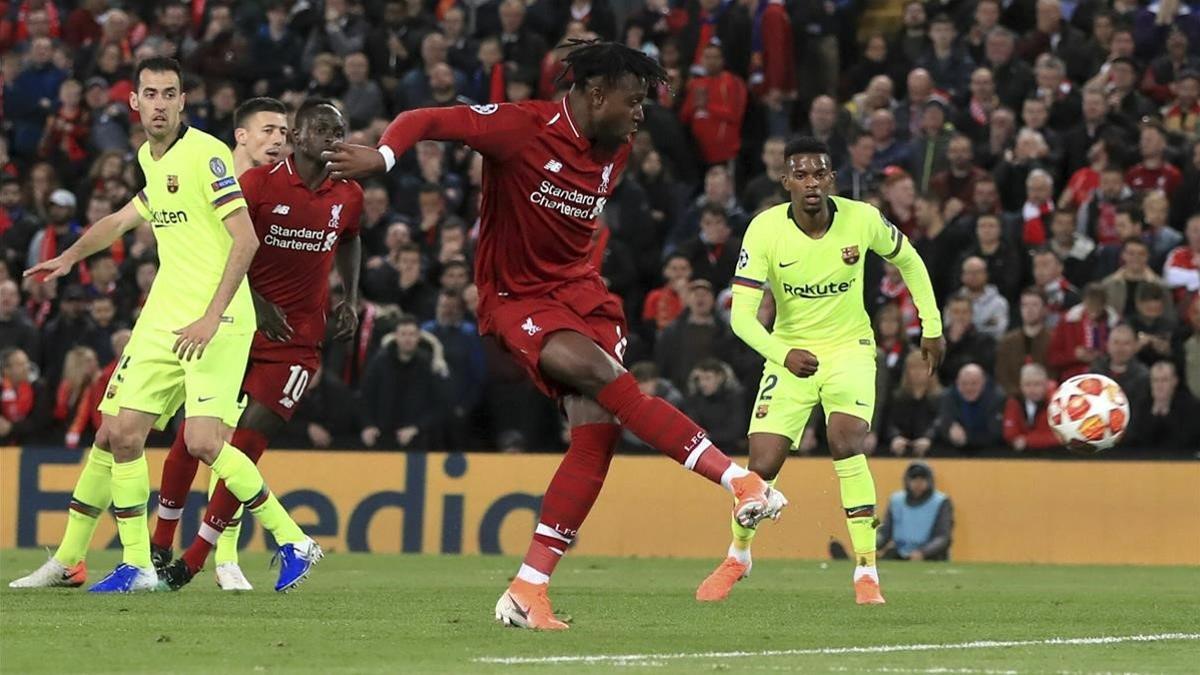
383,614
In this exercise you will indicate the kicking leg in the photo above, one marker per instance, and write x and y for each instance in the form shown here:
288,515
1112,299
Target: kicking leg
576,361
91,497
846,434
568,499
767,454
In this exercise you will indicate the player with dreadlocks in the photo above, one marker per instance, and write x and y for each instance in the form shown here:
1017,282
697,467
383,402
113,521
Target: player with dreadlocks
549,168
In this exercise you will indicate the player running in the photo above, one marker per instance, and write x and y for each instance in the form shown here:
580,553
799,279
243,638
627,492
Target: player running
810,252
205,245
305,221
549,168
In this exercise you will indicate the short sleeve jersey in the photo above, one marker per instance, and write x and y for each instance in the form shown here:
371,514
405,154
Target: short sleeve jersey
189,192
817,283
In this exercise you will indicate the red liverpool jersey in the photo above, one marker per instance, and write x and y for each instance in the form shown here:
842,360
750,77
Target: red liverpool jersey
543,187
298,232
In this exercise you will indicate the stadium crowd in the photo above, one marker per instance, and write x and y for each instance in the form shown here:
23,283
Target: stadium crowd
1043,157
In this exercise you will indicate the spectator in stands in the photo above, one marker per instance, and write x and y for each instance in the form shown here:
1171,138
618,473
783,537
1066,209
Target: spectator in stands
76,397
1052,34
403,399
25,406
969,419
33,96
876,61
222,52
1157,230
972,119
1004,262
1015,176
1028,344
913,409
1059,293
64,331
363,99
1075,250
857,179
957,180
899,200
912,39
16,330
697,334
1002,132
1182,269
664,304
714,108
326,415
1056,92
1082,334
715,402
718,190
1097,219
1181,115
1190,349
890,150
1121,286
714,252
985,19
1128,225
1155,329
1123,97
1039,204
61,230
876,96
964,343
522,47
1120,362
948,63
823,125
892,341
765,188
1026,423
1013,76
920,90
919,522
463,352
1153,172
17,224
1082,184
1169,418
989,307
927,155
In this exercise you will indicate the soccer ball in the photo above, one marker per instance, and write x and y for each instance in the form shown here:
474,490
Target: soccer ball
1089,412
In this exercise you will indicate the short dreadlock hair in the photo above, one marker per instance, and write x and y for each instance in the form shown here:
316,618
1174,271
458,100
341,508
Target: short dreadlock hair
610,61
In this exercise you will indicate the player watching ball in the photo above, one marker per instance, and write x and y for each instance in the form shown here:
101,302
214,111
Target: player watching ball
305,222
549,168
811,253
189,346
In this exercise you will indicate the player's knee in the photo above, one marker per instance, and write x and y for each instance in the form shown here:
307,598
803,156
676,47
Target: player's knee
767,469
841,447
103,440
203,445
125,444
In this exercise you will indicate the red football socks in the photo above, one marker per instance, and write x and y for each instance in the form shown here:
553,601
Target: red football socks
179,470
222,505
665,428
571,494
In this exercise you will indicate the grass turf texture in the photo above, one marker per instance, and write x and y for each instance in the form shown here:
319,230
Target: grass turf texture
377,613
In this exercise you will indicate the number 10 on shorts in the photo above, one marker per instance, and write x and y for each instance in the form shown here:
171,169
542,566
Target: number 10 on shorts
297,382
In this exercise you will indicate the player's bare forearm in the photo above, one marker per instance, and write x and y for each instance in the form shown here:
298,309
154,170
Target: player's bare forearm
245,244
348,262
99,236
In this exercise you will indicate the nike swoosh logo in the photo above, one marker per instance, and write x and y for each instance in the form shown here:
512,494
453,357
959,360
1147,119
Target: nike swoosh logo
203,399
789,264
858,402
523,611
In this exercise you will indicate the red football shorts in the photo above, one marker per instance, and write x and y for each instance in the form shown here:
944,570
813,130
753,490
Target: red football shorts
522,325
279,380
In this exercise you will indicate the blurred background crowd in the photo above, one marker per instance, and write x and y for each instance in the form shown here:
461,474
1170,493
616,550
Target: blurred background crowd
1042,156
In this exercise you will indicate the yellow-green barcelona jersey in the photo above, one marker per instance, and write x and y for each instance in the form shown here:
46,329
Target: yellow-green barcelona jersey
817,283
188,194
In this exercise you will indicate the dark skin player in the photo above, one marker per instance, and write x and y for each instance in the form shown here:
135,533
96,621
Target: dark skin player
810,180
607,113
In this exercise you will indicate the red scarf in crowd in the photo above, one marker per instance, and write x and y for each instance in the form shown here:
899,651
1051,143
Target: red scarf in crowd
16,401
80,417
897,291
1036,219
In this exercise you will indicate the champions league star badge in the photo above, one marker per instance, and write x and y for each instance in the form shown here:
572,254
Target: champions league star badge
172,183
217,167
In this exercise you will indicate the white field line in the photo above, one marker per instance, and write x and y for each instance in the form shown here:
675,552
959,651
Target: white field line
873,649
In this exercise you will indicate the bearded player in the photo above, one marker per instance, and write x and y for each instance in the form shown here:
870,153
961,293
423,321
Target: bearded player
811,252
306,223
549,168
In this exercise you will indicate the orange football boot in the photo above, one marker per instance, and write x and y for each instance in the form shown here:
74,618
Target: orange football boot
526,605
718,584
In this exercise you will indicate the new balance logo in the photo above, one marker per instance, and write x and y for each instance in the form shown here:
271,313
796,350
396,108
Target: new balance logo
553,166
281,209
530,327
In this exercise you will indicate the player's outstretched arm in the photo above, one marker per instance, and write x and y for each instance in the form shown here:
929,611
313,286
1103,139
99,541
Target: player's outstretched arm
195,336
99,236
496,131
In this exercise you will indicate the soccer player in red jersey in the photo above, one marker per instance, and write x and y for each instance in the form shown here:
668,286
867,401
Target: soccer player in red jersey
306,222
549,168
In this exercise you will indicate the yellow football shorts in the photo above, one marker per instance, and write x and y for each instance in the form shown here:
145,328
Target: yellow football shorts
152,379
844,382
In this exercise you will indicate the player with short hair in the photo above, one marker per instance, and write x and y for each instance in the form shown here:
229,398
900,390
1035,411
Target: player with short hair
260,132
549,169
811,253
205,244
306,223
